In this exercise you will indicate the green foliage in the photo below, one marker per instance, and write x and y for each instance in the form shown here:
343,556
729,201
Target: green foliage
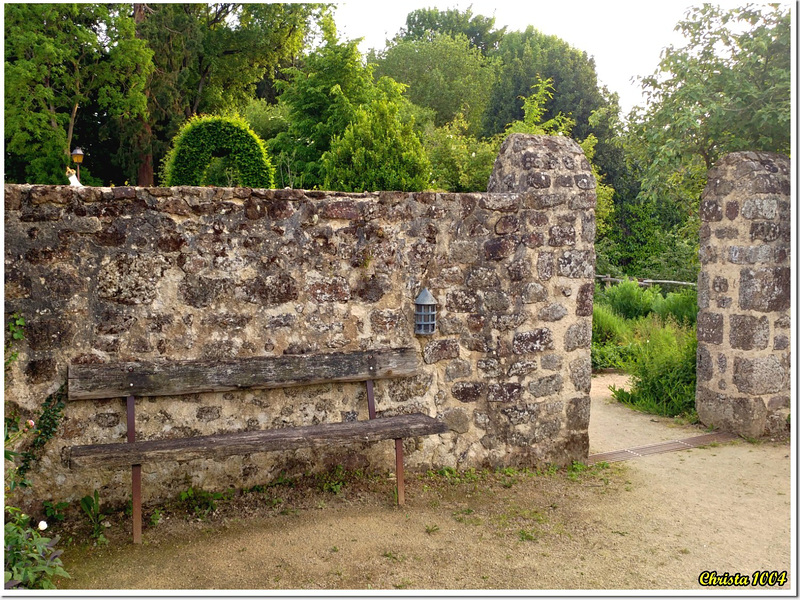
377,151
323,95
199,502
459,162
427,23
14,333
266,120
608,325
680,306
204,138
332,481
31,561
531,56
534,110
444,74
58,59
629,300
46,427
91,507
54,511
663,367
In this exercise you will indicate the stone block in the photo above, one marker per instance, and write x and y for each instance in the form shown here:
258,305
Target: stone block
576,264
457,369
760,208
578,412
580,373
438,350
456,419
534,292
585,300
551,362
483,278
545,266
562,236
579,335
748,332
710,210
705,364
463,301
506,225
552,312
469,391
759,375
499,248
710,327
546,386
504,392
743,415
764,231
765,289
522,368
537,340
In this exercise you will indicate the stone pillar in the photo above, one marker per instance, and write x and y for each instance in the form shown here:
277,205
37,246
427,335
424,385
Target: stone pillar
744,295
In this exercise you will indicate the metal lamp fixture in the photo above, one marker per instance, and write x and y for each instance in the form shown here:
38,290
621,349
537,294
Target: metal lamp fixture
77,158
425,313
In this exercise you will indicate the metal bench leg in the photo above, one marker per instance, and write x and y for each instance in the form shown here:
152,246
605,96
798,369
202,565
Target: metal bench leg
136,475
136,487
401,485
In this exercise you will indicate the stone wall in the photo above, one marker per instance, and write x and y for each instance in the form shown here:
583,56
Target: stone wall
118,274
744,295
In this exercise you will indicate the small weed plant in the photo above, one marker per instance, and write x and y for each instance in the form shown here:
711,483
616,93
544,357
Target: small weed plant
91,507
199,502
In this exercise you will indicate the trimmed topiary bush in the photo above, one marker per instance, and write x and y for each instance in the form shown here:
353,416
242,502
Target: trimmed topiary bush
213,150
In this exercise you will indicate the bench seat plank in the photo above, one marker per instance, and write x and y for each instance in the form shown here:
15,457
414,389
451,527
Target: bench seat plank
246,442
174,378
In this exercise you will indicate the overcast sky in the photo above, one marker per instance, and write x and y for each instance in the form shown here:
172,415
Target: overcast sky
624,37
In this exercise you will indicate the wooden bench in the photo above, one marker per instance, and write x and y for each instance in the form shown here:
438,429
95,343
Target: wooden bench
138,379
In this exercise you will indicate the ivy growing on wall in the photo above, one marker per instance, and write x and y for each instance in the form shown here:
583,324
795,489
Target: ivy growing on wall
215,150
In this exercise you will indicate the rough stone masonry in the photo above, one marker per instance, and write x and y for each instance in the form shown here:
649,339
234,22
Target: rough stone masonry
744,295
126,273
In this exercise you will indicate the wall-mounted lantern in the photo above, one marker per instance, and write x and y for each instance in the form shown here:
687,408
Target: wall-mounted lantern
77,158
425,313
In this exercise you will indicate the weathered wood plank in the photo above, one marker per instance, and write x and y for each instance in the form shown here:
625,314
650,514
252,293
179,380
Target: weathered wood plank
247,442
192,376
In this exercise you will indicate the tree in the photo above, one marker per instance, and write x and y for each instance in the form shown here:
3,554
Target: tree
727,89
323,95
58,58
459,162
427,23
442,73
377,151
529,56
209,58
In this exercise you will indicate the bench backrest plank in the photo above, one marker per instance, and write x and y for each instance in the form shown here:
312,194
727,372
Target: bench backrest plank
152,378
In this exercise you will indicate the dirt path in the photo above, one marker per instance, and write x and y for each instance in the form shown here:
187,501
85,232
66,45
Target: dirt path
653,523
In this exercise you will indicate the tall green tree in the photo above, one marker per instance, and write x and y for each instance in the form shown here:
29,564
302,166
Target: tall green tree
727,89
427,23
378,149
443,73
529,56
209,58
58,58
323,95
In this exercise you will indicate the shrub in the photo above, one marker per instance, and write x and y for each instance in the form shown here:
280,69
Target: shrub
681,306
608,326
629,300
213,149
663,366
31,561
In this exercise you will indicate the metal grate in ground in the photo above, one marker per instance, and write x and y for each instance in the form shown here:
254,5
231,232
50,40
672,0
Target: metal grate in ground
661,447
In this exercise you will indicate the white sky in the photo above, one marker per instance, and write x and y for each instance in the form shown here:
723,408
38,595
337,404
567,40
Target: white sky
624,37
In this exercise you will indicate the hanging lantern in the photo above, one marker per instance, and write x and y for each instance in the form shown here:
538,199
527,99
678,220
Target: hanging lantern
425,313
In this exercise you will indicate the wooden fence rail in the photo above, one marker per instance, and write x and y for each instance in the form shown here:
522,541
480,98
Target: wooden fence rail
642,282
